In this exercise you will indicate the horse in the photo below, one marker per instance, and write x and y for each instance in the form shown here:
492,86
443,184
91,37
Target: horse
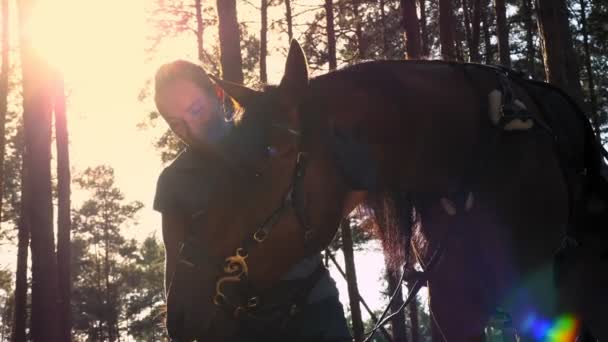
486,166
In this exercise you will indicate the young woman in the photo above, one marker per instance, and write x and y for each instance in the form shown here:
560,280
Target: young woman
190,103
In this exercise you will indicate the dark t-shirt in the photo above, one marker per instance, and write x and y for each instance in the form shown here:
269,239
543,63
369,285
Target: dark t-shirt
186,184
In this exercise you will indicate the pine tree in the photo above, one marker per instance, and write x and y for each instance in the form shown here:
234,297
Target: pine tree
100,250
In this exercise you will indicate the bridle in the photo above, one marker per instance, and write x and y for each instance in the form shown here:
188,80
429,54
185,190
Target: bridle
235,269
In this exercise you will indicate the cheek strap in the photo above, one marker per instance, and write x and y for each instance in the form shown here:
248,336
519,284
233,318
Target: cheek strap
219,93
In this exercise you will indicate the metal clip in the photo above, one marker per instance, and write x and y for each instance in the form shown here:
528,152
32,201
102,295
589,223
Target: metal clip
219,299
301,156
260,235
253,302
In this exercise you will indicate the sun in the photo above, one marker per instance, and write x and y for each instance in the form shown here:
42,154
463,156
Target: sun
79,37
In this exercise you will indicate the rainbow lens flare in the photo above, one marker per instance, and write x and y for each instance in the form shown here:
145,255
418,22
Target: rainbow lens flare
563,329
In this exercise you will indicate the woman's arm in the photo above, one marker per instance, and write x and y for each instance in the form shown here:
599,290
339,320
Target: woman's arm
174,226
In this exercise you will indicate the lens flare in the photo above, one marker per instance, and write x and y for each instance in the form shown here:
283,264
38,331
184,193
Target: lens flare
562,329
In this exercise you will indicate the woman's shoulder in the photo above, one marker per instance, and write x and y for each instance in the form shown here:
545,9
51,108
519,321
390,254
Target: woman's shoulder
186,159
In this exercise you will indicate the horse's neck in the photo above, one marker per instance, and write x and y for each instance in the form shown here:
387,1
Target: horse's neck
421,123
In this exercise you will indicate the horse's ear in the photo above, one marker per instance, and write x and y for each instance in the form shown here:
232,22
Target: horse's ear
241,94
295,78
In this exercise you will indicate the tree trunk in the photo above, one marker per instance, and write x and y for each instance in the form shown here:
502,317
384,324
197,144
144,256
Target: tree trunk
99,292
230,41
412,29
23,237
588,69
486,17
529,27
398,321
37,107
330,256
446,30
263,40
467,25
426,48
200,29
361,43
475,34
415,324
436,333
458,39
351,279
561,66
63,212
384,33
110,321
331,35
289,19
3,93
502,31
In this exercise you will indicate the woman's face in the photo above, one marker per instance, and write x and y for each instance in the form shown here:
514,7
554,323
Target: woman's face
189,110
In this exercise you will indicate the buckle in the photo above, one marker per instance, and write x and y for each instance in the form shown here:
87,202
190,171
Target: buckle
253,302
260,235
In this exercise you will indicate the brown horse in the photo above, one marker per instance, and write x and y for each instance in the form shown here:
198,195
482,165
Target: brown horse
496,167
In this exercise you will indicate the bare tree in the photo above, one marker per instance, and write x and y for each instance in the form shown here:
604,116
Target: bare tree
426,47
414,321
263,40
331,35
3,93
289,19
37,110
412,29
487,18
200,29
588,69
351,279
397,321
561,65
361,41
23,237
446,30
230,41
502,31
382,6
466,10
475,32
529,27
63,210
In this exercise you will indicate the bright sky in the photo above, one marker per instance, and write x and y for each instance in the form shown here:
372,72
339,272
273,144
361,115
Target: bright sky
100,45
